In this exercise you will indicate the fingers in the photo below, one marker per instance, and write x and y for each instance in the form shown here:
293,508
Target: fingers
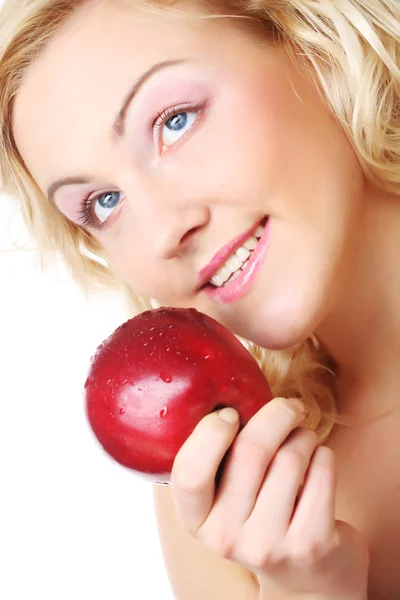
274,508
314,518
276,500
251,454
196,465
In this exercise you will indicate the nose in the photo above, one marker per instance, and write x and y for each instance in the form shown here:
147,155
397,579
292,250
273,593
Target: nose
170,221
174,232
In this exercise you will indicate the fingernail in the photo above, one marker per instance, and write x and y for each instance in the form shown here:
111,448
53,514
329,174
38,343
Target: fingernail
229,415
294,404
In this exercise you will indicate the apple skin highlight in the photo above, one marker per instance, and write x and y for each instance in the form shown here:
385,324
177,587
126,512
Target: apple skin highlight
156,376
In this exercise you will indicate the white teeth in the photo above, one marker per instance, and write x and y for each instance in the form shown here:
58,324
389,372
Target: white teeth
233,263
224,273
235,275
251,243
242,253
217,281
238,261
244,265
221,276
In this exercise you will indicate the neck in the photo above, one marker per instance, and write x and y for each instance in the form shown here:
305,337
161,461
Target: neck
362,332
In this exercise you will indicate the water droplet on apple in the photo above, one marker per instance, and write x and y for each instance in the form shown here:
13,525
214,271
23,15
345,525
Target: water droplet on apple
164,412
165,377
152,329
122,411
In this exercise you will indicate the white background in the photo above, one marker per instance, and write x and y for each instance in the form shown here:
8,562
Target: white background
73,524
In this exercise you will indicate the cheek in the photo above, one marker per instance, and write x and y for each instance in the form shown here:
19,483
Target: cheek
138,270
310,169
244,133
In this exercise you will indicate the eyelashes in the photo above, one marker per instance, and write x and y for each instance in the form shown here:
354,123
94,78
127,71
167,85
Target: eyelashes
88,209
174,121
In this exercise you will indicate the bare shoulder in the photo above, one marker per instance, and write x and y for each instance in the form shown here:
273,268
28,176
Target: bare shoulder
194,571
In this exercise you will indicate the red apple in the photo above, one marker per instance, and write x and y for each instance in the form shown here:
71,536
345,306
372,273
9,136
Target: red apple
157,376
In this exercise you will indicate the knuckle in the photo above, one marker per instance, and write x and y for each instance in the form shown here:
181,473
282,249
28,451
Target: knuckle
249,451
305,553
311,436
258,554
326,475
218,536
327,467
188,479
292,459
222,545
262,559
284,407
277,405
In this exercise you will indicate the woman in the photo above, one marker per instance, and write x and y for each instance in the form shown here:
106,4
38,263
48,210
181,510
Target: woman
240,157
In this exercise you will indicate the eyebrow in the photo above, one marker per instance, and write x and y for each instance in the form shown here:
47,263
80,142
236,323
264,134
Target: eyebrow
119,124
51,192
118,128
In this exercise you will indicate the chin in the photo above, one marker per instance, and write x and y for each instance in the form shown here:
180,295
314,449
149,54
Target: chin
276,330
273,337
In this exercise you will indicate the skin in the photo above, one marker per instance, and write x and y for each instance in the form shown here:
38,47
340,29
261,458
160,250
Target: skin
329,229
185,204
263,143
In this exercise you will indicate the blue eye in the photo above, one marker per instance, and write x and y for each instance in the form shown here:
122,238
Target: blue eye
174,123
176,127
178,122
104,205
95,211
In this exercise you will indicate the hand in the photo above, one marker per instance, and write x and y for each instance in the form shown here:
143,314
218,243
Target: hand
273,510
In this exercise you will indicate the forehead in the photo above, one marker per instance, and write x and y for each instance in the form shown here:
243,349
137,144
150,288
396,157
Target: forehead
71,94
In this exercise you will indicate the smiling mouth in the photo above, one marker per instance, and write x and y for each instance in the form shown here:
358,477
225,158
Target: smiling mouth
238,260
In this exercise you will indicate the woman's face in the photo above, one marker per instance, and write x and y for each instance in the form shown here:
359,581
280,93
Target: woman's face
169,138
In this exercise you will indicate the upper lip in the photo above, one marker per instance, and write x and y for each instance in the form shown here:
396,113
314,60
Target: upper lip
223,254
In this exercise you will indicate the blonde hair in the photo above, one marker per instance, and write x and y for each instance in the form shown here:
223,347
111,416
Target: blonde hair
352,49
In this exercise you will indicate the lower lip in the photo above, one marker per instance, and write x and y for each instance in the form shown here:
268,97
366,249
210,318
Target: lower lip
241,285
